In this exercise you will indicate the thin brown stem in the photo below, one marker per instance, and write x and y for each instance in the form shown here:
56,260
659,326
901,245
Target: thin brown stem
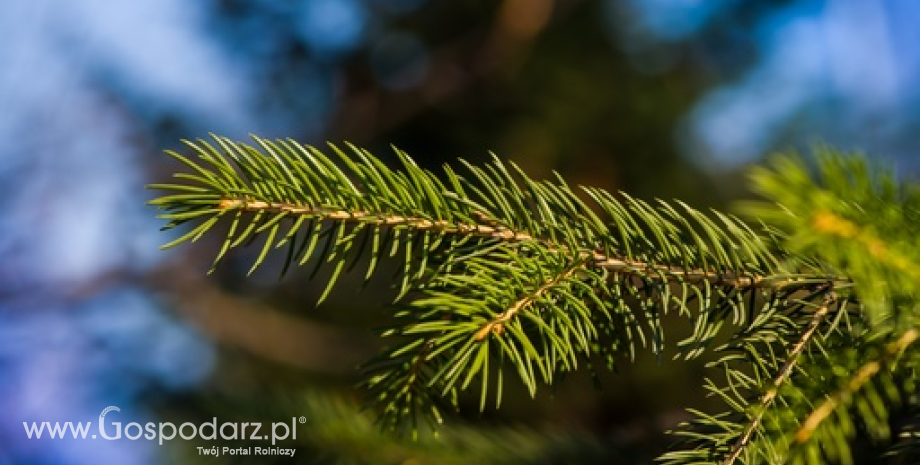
493,230
780,378
497,323
374,219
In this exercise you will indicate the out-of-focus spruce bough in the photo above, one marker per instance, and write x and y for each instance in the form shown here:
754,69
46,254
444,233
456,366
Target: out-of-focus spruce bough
504,275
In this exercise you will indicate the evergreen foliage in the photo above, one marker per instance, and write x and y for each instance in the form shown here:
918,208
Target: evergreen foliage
504,275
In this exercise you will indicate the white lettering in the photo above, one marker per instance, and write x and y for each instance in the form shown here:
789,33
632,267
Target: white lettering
287,431
171,436
139,431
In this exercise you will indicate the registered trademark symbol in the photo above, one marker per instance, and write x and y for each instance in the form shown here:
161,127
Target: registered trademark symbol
303,419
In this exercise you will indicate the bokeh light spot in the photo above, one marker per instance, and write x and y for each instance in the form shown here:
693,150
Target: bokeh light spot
332,26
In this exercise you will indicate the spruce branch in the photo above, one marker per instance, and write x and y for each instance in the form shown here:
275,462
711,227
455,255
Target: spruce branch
491,230
765,351
853,221
550,274
287,182
502,273
486,232
782,377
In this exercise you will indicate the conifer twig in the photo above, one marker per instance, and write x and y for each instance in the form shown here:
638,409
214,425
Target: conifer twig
374,219
493,230
497,323
781,378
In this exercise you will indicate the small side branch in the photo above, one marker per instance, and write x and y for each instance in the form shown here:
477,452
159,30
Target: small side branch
780,378
497,324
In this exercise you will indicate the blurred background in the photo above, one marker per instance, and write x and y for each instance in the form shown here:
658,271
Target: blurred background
660,98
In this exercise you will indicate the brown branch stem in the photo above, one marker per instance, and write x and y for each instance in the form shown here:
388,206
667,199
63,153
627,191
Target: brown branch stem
495,231
780,378
374,219
497,324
